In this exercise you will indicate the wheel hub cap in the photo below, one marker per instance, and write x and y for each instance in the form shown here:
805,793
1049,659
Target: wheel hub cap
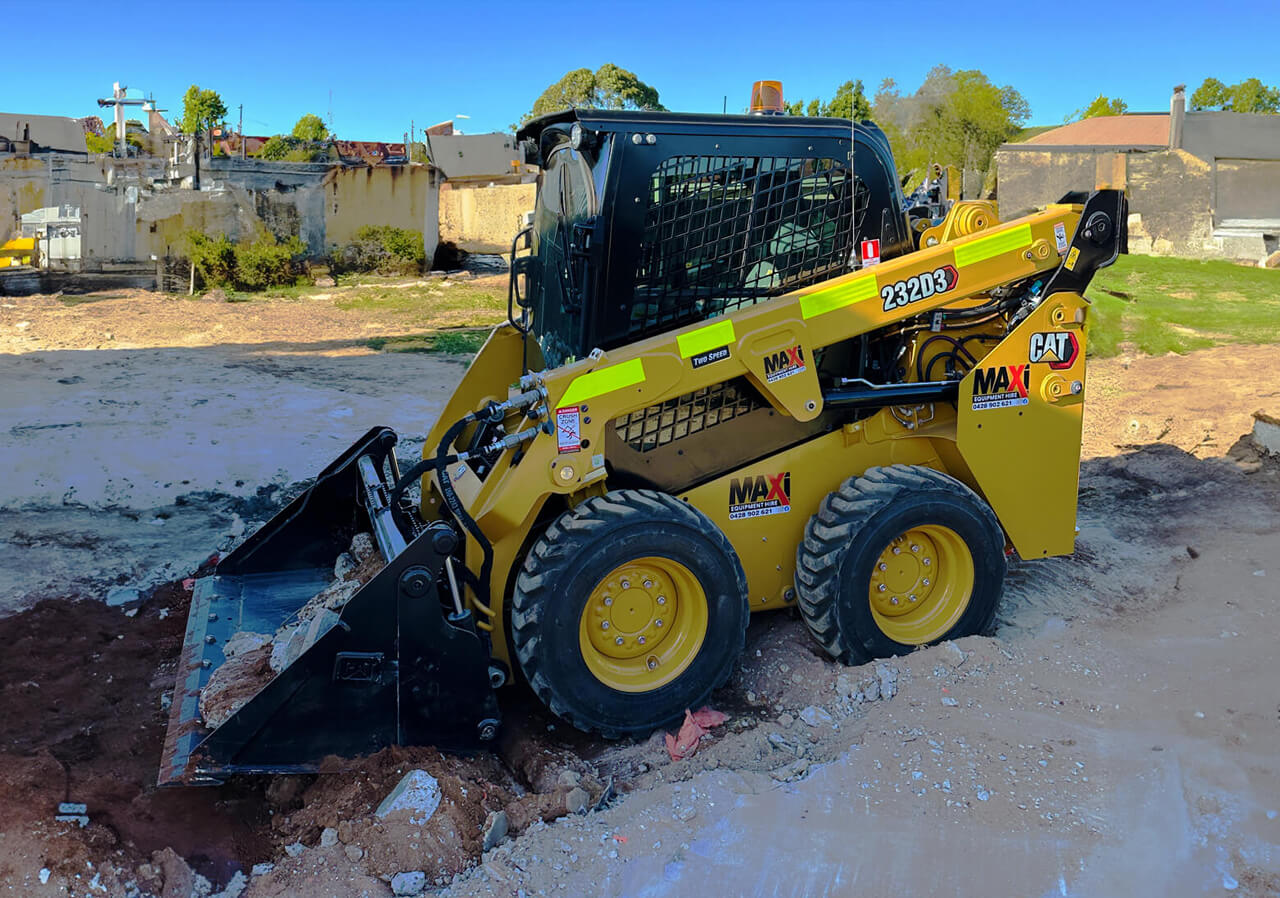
921,584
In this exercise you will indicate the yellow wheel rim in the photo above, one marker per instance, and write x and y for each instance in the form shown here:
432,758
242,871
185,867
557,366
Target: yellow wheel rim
643,624
921,584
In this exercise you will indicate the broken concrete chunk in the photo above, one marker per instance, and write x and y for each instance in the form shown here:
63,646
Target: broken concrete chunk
362,546
417,792
244,642
576,801
951,654
408,884
815,716
328,837
495,829
343,566
239,679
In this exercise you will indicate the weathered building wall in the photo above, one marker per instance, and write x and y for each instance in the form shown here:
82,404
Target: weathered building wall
1031,178
404,196
138,208
1170,198
483,218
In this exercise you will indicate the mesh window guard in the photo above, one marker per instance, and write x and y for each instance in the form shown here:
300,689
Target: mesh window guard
648,428
722,232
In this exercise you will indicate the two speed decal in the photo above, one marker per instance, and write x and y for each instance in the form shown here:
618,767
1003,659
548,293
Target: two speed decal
918,287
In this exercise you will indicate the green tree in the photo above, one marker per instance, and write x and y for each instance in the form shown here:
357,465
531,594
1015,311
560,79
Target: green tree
201,110
850,101
1211,94
310,127
608,87
276,148
954,118
1101,106
1250,95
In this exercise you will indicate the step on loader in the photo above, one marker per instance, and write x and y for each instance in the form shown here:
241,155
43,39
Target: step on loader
740,372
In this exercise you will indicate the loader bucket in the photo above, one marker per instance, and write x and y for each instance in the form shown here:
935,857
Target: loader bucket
390,667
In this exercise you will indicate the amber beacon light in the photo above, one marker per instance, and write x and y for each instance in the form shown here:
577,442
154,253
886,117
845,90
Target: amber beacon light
766,98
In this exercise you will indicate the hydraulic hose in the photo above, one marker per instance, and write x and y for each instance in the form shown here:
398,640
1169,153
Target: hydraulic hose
454,504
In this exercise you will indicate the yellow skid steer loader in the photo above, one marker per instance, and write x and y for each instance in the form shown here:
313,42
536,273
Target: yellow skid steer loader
740,373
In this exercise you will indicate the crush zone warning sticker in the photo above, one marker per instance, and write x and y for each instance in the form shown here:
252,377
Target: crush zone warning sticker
568,429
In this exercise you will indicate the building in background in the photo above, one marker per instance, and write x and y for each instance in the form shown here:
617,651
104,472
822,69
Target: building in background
1200,184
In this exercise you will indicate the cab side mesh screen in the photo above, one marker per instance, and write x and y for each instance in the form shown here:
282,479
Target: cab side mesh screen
722,232
657,425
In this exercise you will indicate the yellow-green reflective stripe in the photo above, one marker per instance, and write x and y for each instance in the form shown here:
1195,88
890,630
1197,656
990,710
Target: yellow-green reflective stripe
838,296
988,247
606,380
704,339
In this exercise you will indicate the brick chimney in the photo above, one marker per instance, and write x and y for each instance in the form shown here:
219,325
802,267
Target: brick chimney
1177,112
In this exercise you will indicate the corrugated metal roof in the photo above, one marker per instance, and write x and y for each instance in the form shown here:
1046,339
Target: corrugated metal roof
1142,130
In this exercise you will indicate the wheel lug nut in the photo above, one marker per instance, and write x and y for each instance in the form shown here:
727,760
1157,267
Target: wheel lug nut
881,587
662,600
648,584
911,598
619,640
608,600
640,639
915,548
893,601
925,581
927,562
626,584
897,550
658,622
653,663
883,566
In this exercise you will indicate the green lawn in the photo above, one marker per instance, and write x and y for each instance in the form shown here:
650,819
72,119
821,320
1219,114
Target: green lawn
1160,305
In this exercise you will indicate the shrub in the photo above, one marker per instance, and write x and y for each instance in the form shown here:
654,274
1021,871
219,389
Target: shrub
213,257
384,249
267,262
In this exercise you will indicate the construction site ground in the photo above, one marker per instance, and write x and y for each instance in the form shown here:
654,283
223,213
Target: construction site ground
1116,735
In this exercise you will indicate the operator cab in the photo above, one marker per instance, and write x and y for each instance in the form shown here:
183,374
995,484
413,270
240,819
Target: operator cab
646,222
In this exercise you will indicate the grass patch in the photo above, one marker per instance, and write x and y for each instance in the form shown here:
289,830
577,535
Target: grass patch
458,342
434,304
1162,305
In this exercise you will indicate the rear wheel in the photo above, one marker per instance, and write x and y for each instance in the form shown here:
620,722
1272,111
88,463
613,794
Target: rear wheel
629,609
899,557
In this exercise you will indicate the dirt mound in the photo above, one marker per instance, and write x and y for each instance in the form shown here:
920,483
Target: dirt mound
82,713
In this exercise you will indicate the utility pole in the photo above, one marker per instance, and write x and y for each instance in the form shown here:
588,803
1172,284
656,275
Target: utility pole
240,130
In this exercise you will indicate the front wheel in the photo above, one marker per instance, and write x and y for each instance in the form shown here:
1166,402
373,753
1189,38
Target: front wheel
630,608
899,557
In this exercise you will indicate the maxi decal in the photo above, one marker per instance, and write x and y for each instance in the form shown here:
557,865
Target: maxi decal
918,287
763,494
784,363
1058,349
1003,386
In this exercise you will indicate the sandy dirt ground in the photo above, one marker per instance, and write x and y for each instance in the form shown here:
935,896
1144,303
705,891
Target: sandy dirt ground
1116,735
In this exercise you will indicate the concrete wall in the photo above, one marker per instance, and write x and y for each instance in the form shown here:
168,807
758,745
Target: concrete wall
483,218
1178,201
405,196
133,209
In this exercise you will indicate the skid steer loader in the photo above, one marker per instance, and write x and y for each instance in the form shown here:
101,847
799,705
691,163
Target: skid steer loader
738,374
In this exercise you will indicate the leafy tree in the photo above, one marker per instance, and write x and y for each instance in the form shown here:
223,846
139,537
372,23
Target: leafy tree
1250,95
608,87
276,148
850,101
310,127
201,110
954,118
1101,106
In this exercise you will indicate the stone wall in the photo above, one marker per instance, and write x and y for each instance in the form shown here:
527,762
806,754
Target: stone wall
483,219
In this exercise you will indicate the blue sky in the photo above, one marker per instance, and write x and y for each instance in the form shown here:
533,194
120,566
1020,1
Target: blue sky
388,62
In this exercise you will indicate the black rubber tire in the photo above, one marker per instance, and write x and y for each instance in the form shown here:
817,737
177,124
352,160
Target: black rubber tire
850,530
572,556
